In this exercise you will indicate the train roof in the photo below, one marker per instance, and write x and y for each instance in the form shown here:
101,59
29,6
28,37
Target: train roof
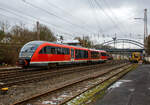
36,42
65,45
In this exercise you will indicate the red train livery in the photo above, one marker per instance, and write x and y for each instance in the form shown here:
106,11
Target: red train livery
42,53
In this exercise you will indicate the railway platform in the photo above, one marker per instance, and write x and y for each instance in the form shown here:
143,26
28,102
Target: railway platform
132,89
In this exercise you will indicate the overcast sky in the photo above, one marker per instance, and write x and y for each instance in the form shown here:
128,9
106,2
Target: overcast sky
98,19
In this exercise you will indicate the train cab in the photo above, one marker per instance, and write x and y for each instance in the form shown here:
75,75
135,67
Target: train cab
27,51
109,56
103,55
135,57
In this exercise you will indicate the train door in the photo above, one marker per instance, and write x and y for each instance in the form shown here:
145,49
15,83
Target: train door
72,54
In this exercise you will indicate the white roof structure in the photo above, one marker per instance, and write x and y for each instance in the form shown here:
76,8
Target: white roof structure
71,41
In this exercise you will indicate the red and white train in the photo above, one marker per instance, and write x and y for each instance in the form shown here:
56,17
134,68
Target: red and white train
42,53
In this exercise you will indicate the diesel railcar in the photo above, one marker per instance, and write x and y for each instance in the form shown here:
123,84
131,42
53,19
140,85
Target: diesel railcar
135,57
42,53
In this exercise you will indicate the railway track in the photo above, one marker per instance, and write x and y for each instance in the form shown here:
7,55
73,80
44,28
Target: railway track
107,72
32,76
11,70
5,70
8,72
103,82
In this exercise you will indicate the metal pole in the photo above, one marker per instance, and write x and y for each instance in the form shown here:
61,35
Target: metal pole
38,30
123,50
114,38
145,28
130,43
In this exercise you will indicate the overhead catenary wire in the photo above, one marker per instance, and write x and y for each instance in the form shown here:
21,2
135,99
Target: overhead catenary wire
62,33
66,12
52,14
18,18
95,15
11,12
56,26
116,25
16,13
10,16
114,14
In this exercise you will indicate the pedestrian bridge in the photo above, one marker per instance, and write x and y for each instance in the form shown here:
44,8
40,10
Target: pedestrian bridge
140,45
124,50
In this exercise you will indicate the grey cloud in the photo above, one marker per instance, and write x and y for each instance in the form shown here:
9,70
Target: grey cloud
82,16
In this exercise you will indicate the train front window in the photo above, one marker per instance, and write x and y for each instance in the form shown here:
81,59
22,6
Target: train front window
136,55
29,48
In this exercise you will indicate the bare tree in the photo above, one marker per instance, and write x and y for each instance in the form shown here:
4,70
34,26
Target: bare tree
85,41
4,26
46,34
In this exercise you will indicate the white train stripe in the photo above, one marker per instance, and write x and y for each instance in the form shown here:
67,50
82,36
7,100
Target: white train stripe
66,61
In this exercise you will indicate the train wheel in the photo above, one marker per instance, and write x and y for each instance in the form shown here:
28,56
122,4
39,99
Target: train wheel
89,62
24,67
51,65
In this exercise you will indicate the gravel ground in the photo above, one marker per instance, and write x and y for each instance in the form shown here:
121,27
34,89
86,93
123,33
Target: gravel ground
60,95
19,92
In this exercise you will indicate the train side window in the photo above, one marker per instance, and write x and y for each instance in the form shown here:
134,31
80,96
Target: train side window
43,50
67,51
95,54
76,54
48,50
81,54
53,50
63,51
85,54
103,54
59,50
72,53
